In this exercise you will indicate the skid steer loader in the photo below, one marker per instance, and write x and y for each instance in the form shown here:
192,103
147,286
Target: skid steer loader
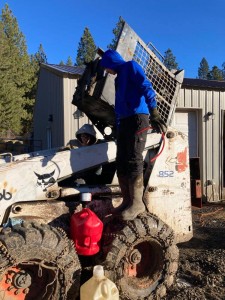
39,192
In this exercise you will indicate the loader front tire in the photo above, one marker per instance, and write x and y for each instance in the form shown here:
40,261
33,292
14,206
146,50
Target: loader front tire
143,259
37,261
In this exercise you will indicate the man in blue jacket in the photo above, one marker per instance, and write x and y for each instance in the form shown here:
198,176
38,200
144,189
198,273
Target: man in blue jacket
135,99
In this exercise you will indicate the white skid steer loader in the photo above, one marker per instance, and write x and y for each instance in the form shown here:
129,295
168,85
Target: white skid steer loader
39,193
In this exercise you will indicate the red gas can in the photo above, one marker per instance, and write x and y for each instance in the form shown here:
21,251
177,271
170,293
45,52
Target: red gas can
86,231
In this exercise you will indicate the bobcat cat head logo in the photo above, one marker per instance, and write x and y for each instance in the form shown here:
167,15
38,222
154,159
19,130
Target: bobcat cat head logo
45,180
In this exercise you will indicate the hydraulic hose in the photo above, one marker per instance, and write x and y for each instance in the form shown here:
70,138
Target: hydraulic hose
162,139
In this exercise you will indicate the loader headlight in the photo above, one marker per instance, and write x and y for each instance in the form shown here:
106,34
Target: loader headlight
108,130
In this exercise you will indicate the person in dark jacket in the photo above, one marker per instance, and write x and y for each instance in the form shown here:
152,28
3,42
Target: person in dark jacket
85,136
135,99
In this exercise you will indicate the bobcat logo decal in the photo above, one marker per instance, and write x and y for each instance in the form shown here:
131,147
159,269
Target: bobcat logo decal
45,180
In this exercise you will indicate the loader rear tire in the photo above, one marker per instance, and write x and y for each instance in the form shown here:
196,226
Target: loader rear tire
143,259
37,261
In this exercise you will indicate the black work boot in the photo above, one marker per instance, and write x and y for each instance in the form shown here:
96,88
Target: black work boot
136,193
124,186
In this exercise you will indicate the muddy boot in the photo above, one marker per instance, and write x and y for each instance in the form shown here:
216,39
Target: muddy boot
136,193
124,185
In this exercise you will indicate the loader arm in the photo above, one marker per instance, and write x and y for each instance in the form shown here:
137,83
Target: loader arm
38,176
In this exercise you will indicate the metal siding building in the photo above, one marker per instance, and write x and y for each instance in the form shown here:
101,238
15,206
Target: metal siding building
55,125
206,99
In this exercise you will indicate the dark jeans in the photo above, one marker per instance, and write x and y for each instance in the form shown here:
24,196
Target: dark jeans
131,139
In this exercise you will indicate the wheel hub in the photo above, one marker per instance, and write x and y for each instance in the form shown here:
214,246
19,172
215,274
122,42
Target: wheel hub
15,283
18,281
22,280
135,257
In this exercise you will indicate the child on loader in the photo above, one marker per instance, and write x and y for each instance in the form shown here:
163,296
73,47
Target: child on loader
85,136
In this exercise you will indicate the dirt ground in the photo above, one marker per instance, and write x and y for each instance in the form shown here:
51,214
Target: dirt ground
201,272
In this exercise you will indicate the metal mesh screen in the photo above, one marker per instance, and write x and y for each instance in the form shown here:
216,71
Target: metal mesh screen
163,83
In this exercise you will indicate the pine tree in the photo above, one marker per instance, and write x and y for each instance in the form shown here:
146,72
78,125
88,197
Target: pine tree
15,73
215,74
223,70
69,61
86,48
203,70
35,61
170,60
5,86
116,31
40,56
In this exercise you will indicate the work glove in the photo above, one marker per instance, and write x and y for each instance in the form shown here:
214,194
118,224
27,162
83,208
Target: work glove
156,121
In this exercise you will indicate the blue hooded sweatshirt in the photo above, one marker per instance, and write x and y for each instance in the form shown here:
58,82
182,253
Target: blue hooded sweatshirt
134,92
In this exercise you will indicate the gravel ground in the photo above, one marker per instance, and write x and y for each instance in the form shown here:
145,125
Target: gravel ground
201,272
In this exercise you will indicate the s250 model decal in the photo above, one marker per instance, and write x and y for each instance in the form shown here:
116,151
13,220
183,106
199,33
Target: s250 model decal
166,173
4,195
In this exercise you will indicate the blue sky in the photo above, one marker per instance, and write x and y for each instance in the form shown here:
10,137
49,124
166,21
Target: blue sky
193,29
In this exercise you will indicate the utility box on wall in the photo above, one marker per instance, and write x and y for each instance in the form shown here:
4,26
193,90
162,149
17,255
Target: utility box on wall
196,192
196,186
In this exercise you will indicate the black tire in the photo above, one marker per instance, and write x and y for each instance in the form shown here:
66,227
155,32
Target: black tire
39,261
143,259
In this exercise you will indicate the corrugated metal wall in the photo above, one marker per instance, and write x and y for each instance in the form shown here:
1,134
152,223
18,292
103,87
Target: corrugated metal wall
210,136
71,125
54,96
48,115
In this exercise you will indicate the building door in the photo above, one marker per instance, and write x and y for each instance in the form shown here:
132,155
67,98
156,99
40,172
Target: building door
187,122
